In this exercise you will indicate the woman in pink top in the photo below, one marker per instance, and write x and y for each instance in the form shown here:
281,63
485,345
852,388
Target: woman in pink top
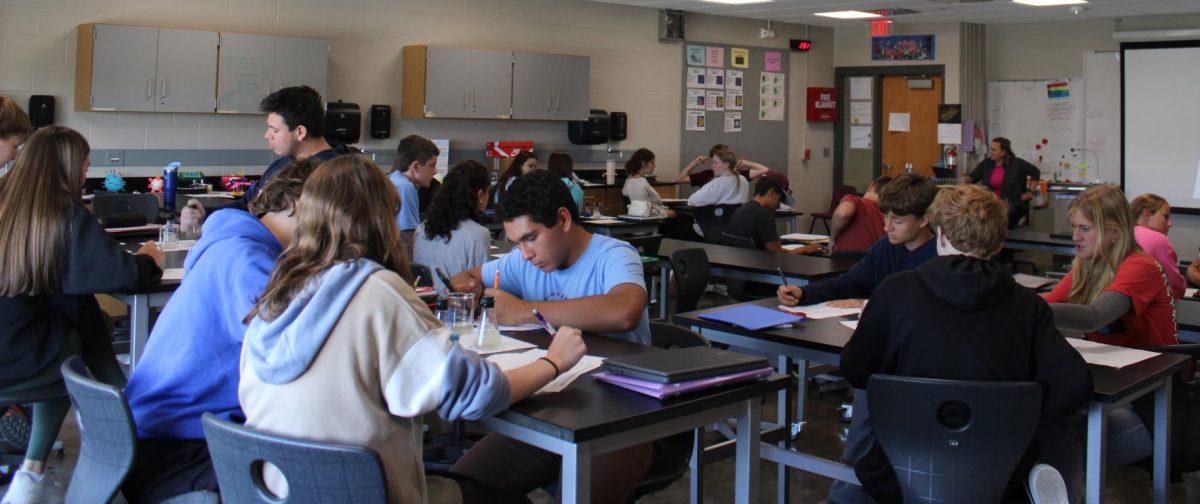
1153,216
1006,175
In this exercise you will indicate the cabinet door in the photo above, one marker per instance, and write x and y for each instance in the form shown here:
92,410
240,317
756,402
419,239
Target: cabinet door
533,86
301,61
571,74
491,84
124,60
187,71
448,82
245,69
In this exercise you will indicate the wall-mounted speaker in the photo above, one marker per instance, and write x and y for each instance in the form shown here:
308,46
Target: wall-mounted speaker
618,125
381,121
41,110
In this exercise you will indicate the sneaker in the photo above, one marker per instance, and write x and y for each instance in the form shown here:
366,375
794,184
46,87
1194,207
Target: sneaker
32,488
14,430
1046,485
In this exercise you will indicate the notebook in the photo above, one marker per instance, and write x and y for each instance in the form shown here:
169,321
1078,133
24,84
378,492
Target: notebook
752,317
682,364
665,390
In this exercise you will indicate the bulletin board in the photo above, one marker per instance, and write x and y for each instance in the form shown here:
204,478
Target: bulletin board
763,135
1043,119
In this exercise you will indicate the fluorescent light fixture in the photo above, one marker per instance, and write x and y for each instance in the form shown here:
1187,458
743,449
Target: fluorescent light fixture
849,14
738,2
1049,3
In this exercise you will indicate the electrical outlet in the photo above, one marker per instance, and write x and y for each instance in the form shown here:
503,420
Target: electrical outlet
116,157
825,152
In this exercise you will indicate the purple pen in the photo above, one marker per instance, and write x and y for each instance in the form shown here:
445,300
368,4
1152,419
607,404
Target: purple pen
542,321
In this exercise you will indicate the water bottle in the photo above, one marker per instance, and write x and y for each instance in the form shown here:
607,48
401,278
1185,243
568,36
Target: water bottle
170,183
168,234
907,167
489,335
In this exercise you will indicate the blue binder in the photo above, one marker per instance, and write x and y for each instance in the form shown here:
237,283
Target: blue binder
752,317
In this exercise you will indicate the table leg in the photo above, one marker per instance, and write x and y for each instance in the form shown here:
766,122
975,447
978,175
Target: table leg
1162,444
696,467
139,327
746,466
784,418
1096,433
576,477
664,274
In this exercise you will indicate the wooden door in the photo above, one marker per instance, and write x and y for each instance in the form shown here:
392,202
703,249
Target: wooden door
918,145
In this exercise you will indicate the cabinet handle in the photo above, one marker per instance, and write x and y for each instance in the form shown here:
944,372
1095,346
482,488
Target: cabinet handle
549,96
465,102
149,88
268,87
162,89
556,97
474,100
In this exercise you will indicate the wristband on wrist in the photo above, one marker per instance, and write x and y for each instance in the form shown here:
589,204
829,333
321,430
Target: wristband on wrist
552,364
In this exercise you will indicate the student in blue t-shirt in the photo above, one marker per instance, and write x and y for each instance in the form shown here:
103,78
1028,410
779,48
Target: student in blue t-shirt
191,361
908,243
415,166
574,278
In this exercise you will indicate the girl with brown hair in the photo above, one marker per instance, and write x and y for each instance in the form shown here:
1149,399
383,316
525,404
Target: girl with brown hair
339,325
56,258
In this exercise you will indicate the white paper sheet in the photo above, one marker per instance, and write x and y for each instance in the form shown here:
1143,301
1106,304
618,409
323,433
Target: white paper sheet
714,101
733,122
519,327
1109,355
172,274
695,77
508,361
507,344
695,99
734,80
694,120
603,221
860,112
804,237
860,88
734,100
1190,292
714,78
852,324
1033,282
899,121
860,137
949,133
822,310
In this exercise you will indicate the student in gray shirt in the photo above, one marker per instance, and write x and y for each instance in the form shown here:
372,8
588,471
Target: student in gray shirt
450,238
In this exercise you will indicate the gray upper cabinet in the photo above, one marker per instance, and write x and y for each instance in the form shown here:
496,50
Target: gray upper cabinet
119,67
253,66
550,86
187,70
460,83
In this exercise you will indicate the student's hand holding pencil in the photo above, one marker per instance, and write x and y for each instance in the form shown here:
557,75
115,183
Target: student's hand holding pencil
510,309
566,348
790,295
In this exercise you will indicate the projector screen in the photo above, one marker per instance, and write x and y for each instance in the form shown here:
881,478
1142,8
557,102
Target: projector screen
1160,134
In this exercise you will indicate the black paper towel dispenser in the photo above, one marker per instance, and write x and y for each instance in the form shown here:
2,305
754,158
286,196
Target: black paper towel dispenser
343,122
590,132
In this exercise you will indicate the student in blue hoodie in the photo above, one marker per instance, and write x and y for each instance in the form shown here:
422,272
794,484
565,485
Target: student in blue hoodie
191,359
339,326
908,243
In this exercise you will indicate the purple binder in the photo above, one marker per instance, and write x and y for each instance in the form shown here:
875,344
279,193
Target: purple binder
665,390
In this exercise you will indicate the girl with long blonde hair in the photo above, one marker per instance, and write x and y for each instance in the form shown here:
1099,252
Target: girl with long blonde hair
55,258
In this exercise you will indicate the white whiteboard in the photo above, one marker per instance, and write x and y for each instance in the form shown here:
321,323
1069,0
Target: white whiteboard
1044,131
1102,112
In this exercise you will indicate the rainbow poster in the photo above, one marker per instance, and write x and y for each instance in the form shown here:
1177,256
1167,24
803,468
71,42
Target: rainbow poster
1058,89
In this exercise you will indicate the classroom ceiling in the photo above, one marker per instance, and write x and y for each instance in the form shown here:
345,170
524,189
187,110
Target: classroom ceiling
926,11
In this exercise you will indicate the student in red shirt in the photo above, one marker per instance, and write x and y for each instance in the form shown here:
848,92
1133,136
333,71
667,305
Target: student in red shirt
857,222
1115,293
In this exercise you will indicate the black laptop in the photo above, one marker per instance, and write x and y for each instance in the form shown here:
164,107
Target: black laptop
683,364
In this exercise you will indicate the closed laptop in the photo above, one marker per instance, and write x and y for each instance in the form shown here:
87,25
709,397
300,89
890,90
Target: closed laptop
681,364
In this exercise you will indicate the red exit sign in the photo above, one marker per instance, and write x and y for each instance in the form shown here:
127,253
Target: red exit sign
801,45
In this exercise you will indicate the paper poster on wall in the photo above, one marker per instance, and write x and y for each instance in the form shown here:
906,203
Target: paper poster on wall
733,122
714,78
695,120
695,55
695,99
733,100
734,80
1058,89
949,133
739,57
714,101
860,112
860,137
898,121
443,160
772,61
714,56
860,88
772,93
695,77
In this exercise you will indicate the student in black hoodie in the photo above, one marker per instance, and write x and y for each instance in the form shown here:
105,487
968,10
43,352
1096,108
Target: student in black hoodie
958,316
56,258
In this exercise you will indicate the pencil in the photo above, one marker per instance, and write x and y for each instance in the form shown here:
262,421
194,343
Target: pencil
496,282
417,281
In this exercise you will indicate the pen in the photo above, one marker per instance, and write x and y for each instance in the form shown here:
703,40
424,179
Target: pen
781,277
417,281
542,321
445,279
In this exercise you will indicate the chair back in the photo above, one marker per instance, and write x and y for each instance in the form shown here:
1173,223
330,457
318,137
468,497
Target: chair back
646,245
691,277
664,335
109,205
422,273
713,219
107,435
952,440
840,192
315,471
1185,410
740,241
